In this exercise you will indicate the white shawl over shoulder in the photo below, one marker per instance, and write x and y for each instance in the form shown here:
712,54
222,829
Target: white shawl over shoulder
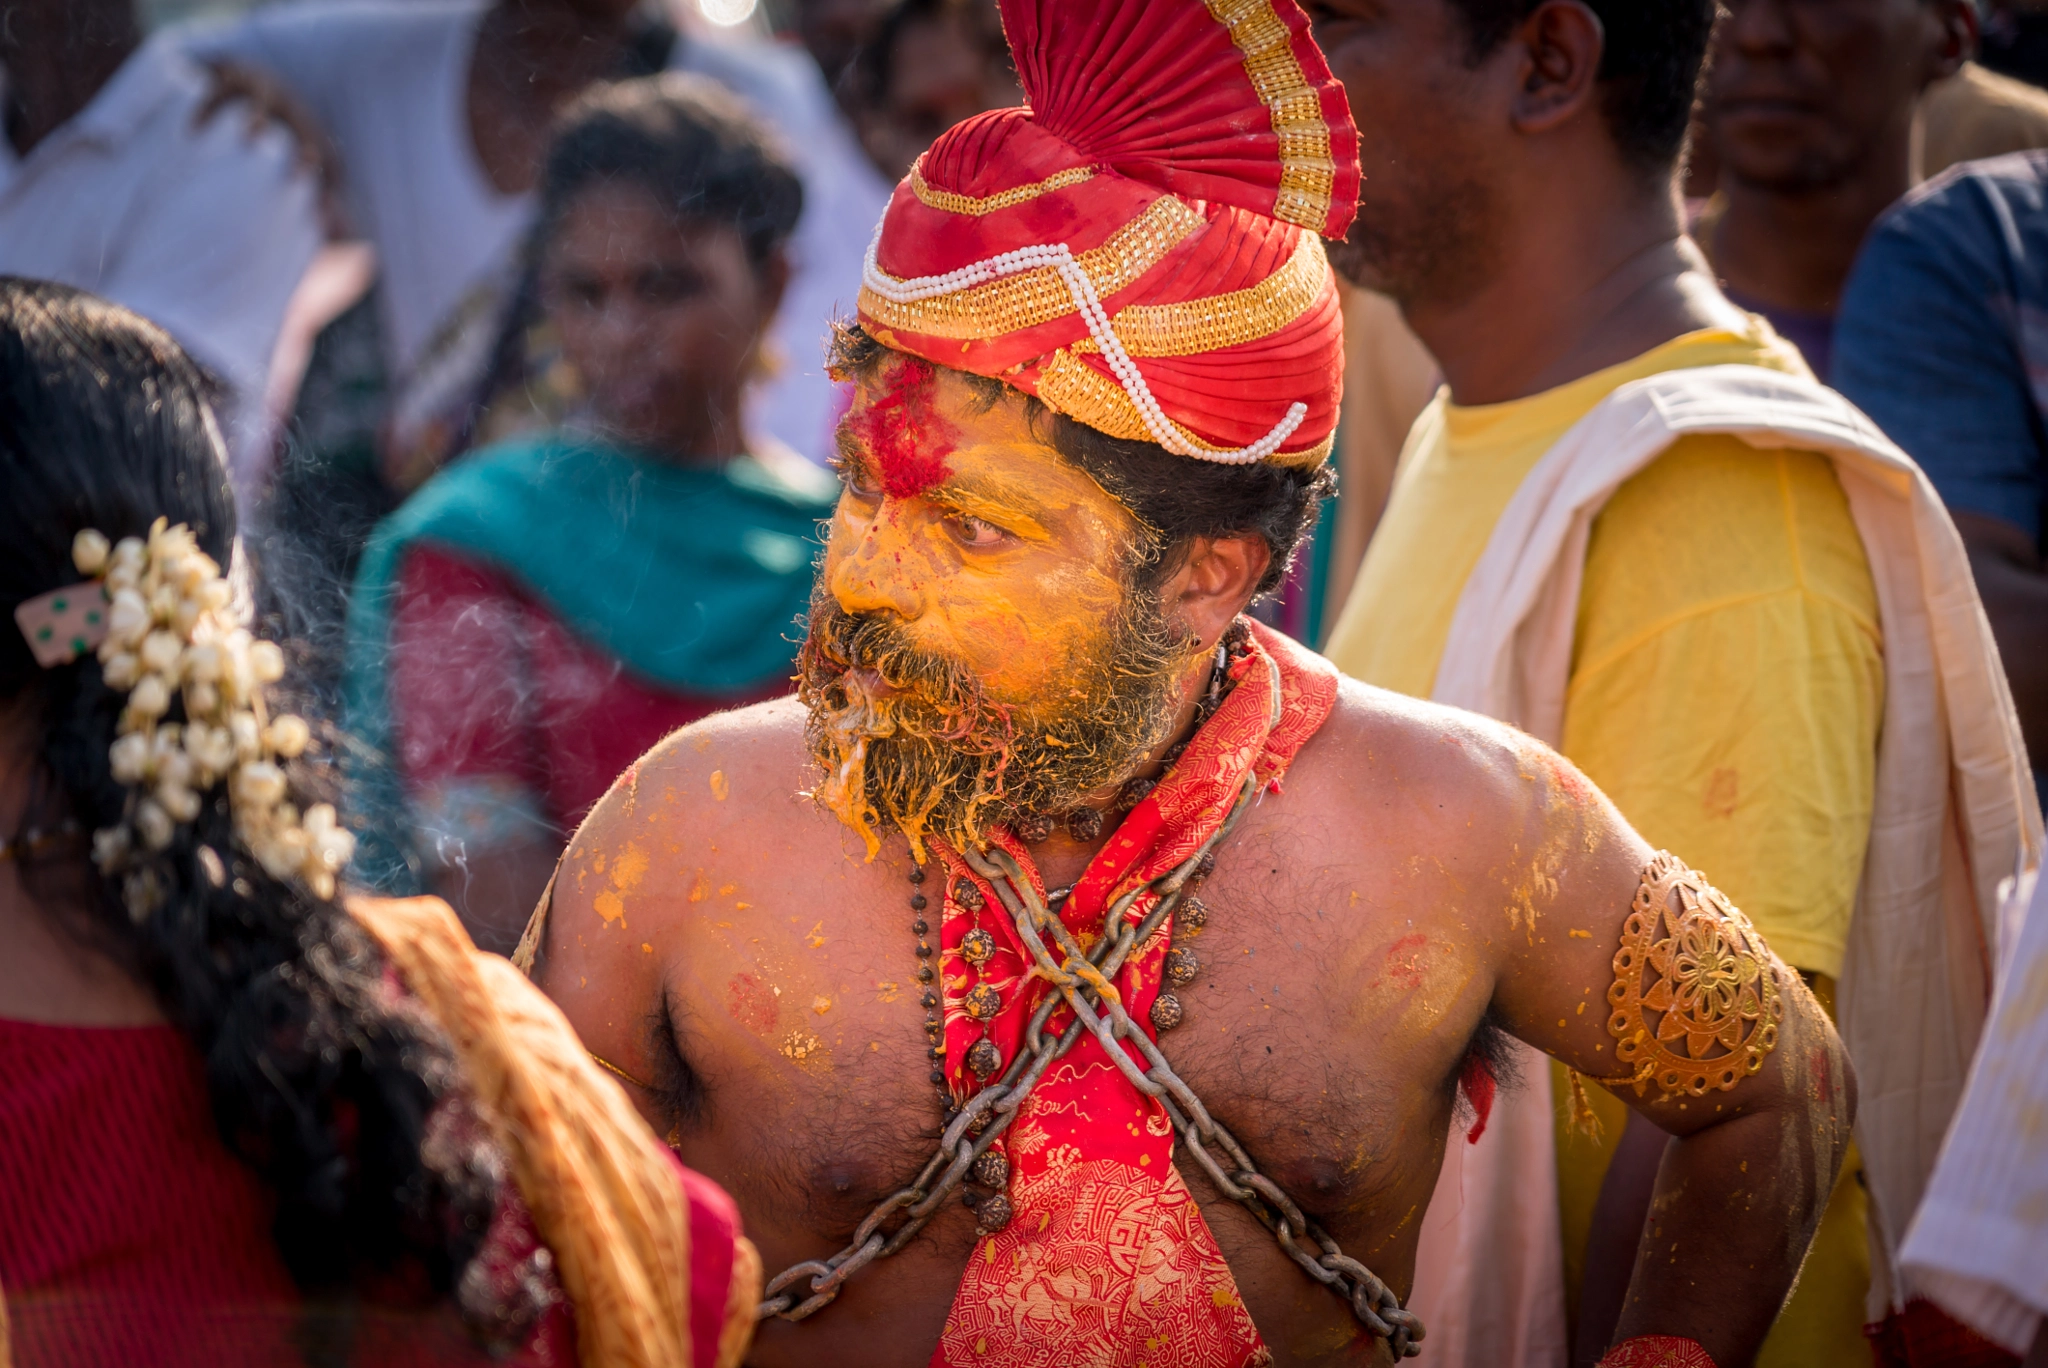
1955,816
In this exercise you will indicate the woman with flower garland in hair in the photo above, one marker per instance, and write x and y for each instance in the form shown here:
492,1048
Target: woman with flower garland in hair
244,1122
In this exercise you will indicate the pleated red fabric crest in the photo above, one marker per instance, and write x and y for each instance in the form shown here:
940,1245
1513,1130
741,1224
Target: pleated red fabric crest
1165,94
1174,167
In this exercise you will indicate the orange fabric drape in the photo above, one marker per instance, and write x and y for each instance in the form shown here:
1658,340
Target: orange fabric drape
604,1194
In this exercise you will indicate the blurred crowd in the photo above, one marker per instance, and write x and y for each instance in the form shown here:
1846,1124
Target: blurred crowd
513,315
370,281
402,232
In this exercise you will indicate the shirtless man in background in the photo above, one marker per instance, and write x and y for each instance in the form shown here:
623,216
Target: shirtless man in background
1028,686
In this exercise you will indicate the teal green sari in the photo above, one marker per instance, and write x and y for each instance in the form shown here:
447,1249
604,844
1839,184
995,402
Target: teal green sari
697,579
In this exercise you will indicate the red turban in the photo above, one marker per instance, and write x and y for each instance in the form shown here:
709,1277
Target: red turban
1139,246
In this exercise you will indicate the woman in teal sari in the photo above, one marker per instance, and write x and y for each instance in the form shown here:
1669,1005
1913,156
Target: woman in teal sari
546,609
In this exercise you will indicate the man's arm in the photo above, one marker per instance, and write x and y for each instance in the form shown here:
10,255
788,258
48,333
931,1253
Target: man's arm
2013,582
1635,973
595,955
232,225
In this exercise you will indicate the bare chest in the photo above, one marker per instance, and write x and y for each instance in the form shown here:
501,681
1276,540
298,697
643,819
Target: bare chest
1322,1028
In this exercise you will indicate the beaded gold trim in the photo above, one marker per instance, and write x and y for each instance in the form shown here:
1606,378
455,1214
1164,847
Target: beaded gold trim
1032,297
1071,386
1715,986
1308,169
976,206
1225,320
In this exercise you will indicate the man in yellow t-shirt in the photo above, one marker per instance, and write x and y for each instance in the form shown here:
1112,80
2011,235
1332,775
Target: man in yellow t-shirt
1727,676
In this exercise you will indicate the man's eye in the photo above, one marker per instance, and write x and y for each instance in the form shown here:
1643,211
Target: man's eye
856,478
975,532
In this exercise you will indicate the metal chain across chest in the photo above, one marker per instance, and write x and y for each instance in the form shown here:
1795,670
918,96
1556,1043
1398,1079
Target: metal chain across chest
963,1153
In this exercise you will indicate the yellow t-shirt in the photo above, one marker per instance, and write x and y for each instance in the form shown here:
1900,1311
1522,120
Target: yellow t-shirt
1727,681
1727,674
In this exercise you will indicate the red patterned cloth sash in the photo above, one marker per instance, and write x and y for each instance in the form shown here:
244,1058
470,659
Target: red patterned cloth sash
1107,1260
1657,1351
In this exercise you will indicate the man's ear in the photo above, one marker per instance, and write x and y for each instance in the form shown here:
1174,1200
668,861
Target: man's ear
1957,41
1216,579
1560,45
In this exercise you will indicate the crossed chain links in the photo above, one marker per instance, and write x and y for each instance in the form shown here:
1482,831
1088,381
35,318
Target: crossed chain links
1084,979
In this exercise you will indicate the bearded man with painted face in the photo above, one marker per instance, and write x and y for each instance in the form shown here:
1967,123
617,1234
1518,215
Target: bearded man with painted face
1074,971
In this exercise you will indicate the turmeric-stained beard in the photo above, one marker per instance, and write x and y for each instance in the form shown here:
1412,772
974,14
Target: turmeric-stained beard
941,756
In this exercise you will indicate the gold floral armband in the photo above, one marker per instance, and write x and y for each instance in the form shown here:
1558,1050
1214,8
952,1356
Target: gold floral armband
1697,997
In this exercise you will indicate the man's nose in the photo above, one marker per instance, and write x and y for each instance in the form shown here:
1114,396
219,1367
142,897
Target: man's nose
1757,26
879,573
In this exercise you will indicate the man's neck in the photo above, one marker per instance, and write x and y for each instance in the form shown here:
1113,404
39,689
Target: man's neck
1061,856
1793,249
1569,294
57,59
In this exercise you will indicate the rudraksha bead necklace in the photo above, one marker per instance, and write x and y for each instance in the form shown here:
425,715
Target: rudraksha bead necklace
927,977
984,1001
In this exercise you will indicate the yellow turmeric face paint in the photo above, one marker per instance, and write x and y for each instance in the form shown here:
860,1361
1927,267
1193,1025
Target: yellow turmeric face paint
1009,565
978,649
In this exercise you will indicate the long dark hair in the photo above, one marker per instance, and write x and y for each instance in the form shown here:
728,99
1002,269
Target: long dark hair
322,1079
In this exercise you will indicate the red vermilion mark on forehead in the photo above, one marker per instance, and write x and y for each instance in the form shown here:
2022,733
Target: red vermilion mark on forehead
904,434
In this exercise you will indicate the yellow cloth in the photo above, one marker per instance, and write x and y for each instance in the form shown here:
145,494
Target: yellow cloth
1726,689
1727,677
605,1197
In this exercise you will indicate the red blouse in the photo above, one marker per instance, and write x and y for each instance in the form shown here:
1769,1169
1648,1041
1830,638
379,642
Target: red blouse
496,702
130,1235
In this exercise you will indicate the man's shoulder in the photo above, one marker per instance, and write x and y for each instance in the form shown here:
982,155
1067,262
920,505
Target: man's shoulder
1974,213
728,767
1978,113
1387,752
1760,523
719,806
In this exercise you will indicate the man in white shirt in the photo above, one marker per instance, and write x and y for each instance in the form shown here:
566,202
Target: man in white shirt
1978,1245
111,182
439,110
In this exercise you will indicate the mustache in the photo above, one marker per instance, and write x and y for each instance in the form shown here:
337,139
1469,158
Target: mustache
928,750
937,685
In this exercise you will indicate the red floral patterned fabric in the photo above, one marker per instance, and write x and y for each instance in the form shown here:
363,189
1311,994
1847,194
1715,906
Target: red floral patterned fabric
1657,1351
1107,1260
